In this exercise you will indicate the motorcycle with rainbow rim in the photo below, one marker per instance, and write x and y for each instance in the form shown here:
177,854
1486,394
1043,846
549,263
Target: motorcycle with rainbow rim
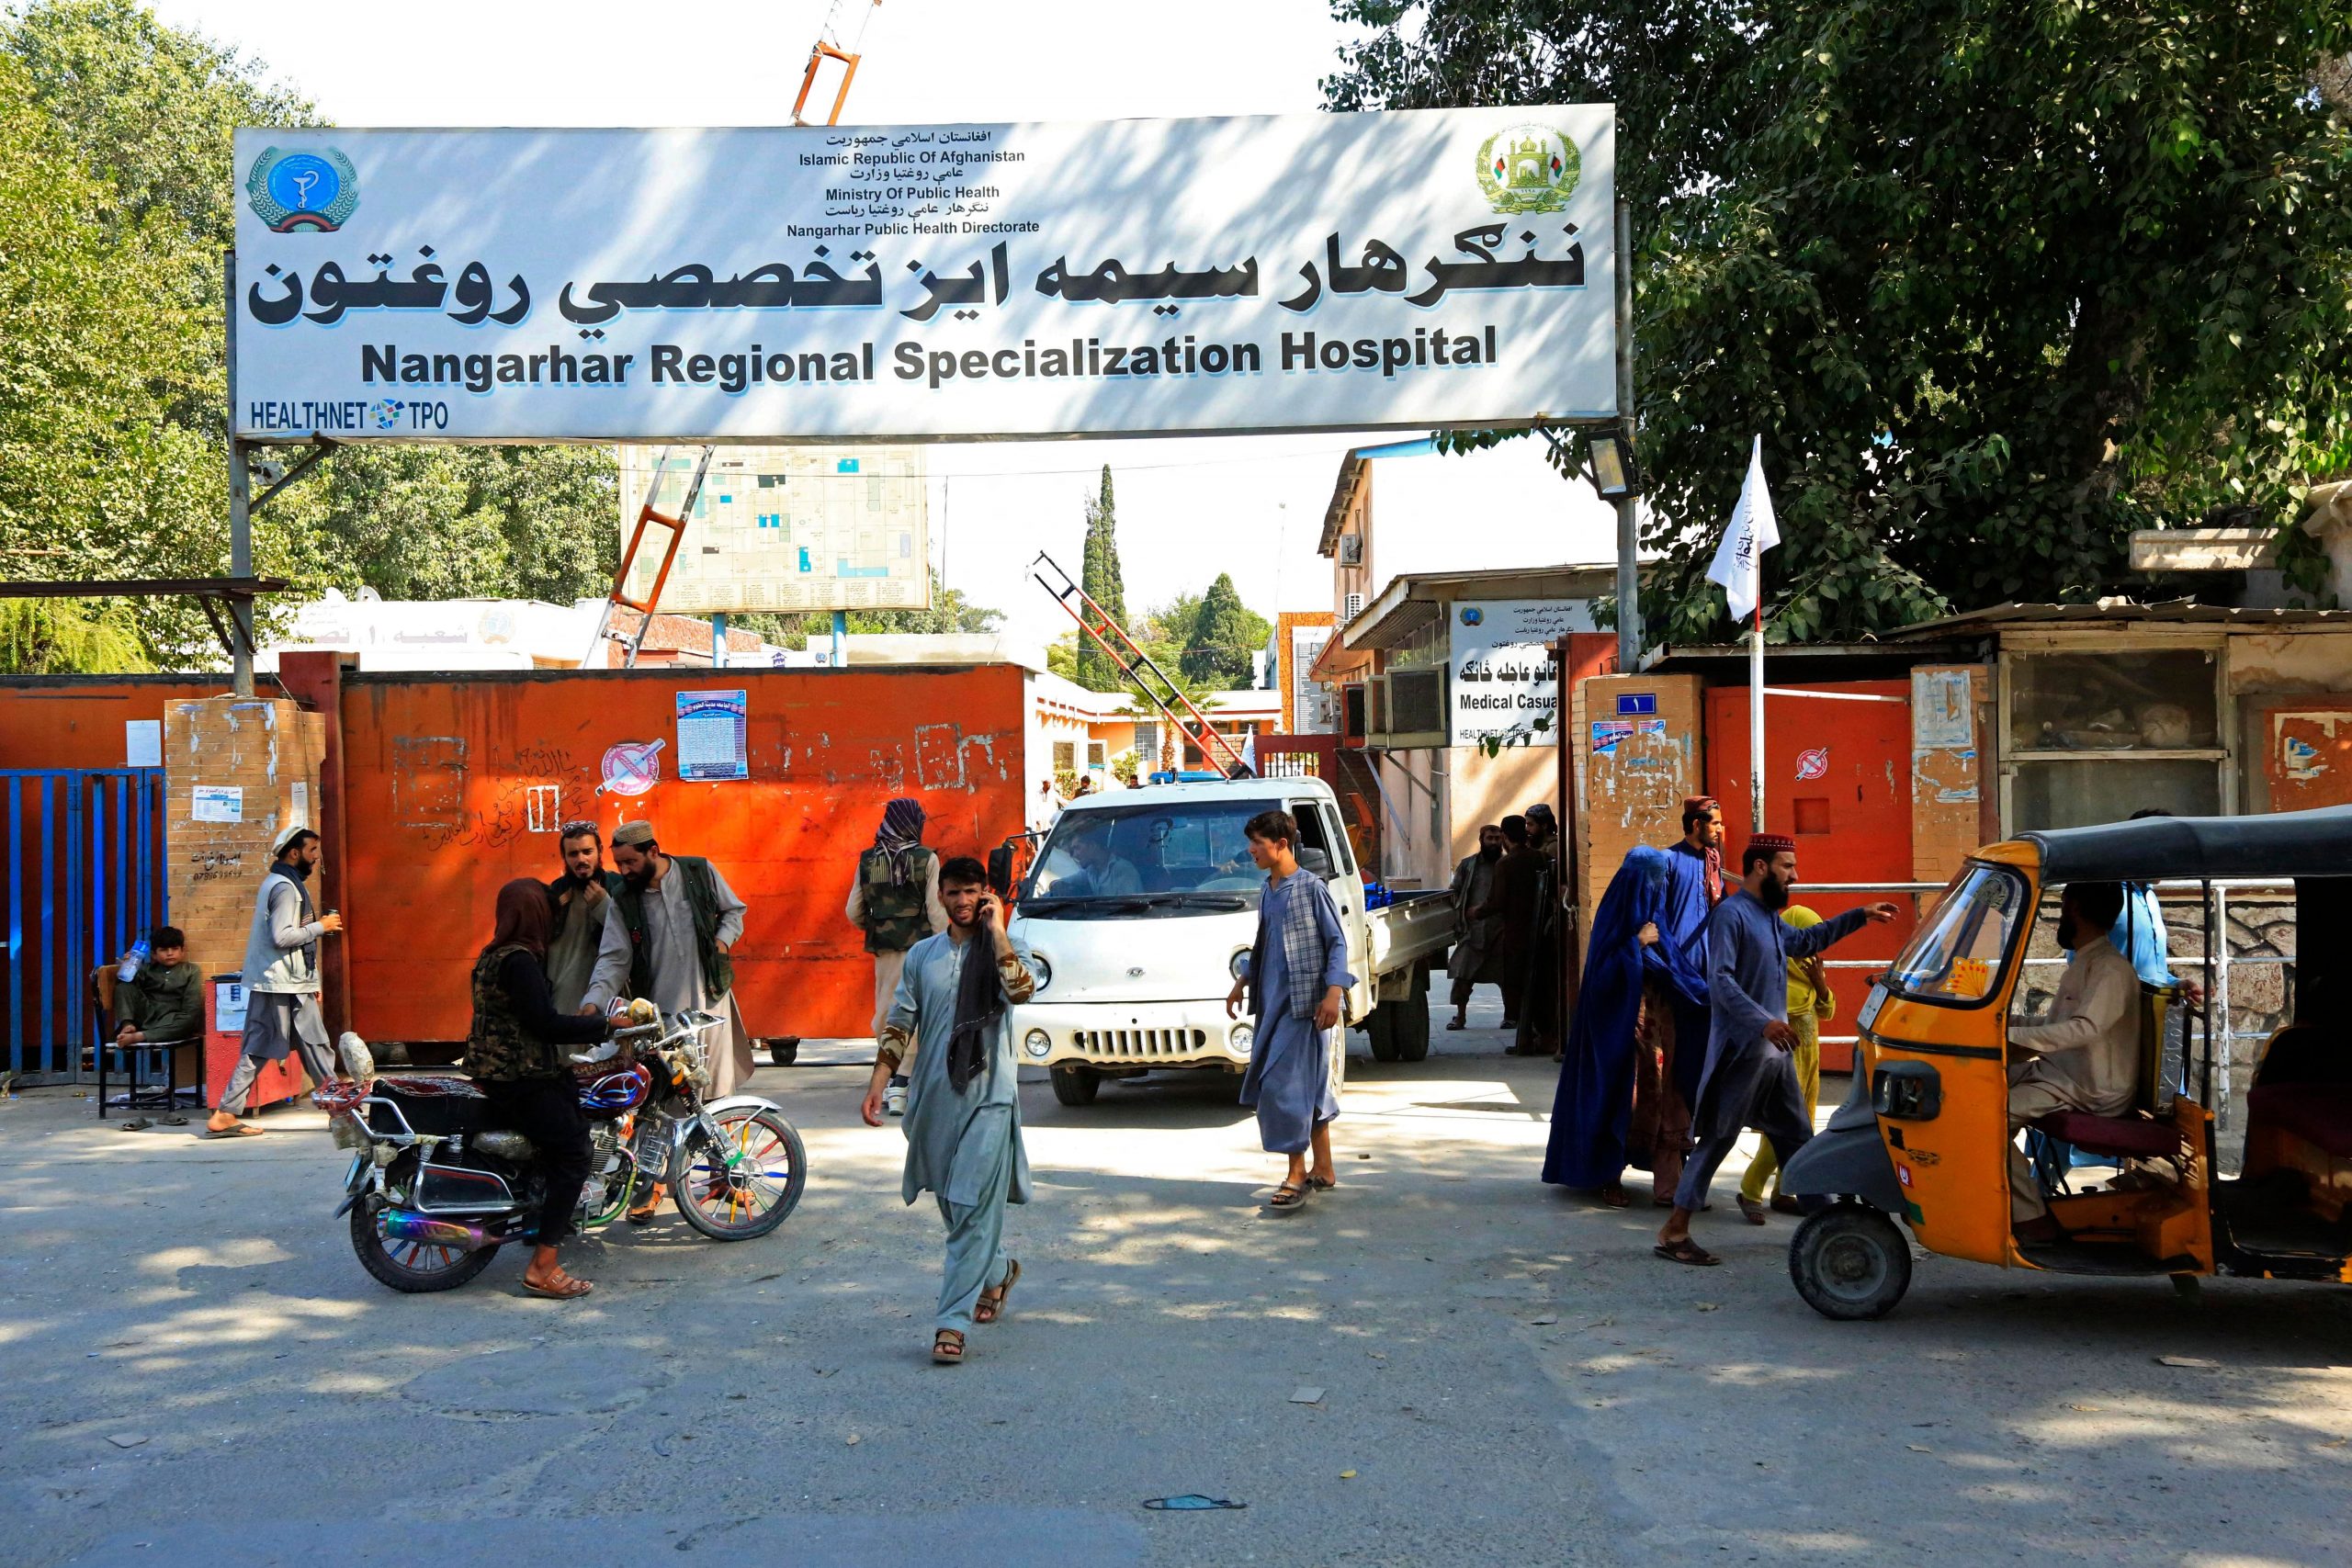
436,1186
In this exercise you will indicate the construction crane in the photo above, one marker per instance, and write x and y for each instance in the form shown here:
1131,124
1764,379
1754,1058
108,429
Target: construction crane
1142,672
830,45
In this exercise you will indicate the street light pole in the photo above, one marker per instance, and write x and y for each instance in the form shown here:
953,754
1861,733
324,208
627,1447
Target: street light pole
1629,532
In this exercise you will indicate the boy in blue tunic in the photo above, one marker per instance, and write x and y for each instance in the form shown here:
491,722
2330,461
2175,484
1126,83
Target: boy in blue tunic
1750,1078
962,1121
1297,984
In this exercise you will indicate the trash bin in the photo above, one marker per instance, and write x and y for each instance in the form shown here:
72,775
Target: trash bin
224,1042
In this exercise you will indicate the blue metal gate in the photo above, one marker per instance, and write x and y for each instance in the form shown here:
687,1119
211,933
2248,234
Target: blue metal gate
84,878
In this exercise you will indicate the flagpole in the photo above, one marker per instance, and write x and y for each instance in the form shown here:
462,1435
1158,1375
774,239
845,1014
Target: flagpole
1756,709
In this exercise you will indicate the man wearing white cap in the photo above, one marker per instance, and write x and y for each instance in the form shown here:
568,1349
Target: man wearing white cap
669,934
281,979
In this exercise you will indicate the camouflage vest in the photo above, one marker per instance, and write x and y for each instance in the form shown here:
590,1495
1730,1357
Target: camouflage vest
702,902
496,1047
896,917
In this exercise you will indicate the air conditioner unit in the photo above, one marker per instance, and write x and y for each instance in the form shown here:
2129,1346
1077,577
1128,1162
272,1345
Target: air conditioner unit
1351,607
1352,550
1407,709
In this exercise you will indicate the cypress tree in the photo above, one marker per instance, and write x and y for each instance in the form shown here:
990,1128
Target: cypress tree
1224,632
1098,576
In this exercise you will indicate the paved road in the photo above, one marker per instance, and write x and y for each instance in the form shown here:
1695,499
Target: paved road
1508,1374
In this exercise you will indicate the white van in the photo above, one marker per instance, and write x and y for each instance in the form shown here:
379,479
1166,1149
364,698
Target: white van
1141,908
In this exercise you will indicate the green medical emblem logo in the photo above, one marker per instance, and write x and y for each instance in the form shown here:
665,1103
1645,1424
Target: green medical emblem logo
1528,168
302,190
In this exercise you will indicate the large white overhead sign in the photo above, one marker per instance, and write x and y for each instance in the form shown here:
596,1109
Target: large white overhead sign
1416,269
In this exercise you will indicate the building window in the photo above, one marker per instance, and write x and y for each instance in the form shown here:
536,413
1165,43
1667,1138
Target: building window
1065,756
1097,753
2095,737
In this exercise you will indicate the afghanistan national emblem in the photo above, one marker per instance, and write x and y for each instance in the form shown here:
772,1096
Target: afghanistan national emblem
1528,168
302,190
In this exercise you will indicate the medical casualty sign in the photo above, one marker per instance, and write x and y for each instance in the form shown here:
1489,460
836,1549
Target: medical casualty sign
1416,269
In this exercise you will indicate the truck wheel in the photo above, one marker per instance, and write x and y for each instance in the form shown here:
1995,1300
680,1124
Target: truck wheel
1381,1029
1850,1262
1413,1027
1077,1085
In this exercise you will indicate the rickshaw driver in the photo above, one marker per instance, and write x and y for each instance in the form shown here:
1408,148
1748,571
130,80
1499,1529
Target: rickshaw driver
2086,1056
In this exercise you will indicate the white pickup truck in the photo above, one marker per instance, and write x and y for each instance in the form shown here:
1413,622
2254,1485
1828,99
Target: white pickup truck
1141,908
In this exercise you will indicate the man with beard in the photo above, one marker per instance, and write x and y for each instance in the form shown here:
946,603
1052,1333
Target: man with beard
1673,1027
668,934
576,907
1512,906
963,1123
1475,962
281,977
1750,1080
1539,1004
2086,1055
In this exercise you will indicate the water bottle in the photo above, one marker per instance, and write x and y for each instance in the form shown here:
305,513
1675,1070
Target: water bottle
132,962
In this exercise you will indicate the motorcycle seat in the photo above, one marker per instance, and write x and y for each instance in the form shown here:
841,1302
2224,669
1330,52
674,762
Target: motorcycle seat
431,1103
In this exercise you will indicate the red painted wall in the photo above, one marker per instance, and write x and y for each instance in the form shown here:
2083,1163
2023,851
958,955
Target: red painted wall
1852,822
439,797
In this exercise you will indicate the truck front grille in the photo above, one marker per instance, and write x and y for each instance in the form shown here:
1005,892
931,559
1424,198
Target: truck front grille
1141,1044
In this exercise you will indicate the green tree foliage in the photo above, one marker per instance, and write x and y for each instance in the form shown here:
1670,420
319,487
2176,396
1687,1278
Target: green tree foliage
950,613
1997,283
1098,575
68,637
1223,636
116,203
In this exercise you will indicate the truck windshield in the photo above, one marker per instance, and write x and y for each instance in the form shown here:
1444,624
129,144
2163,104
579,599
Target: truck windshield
1955,957
1147,856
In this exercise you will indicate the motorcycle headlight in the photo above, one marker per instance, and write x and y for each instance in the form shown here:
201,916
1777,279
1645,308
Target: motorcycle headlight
1041,970
1038,1043
1240,968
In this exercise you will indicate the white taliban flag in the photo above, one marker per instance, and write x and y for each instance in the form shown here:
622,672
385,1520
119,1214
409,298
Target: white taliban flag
1739,559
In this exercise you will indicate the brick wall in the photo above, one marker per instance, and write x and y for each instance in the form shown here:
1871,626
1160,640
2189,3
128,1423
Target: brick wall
268,751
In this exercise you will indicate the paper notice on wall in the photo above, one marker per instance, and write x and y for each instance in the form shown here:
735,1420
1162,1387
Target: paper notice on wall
1608,733
298,806
711,740
1943,711
142,743
217,803
229,1007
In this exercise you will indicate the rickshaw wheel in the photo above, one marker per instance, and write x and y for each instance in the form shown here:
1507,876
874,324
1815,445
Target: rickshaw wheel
1850,1262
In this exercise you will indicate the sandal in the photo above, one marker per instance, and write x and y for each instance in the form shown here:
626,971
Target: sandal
643,1214
1455,1023
1687,1251
1322,1183
1784,1204
1288,1196
990,1310
946,1349
562,1288
234,1130
1751,1209
1613,1196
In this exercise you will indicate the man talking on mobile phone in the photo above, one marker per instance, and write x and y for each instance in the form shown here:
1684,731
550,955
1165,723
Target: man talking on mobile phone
963,1120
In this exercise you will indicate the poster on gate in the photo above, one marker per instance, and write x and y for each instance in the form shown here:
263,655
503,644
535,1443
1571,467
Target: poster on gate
1415,268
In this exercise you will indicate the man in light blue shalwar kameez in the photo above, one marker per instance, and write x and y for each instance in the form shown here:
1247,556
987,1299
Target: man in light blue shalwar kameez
1297,986
963,1120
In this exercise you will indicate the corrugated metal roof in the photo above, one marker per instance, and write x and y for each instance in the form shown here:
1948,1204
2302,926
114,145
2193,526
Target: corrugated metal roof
2107,612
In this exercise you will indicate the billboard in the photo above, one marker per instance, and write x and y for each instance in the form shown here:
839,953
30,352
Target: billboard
785,528
1506,670
1414,268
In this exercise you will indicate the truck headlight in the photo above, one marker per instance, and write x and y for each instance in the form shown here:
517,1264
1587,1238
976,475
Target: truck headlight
1038,1043
1242,1036
1040,970
1240,968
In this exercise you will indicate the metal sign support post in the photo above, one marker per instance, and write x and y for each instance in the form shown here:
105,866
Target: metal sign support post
241,492
1629,529
841,638
719,640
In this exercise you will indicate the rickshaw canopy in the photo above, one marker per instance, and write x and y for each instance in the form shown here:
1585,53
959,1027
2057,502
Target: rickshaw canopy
2153,848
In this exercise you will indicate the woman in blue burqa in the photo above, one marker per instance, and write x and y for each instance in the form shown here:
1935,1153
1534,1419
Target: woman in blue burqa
1594,1105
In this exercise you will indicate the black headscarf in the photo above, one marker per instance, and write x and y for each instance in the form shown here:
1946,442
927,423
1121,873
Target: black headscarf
980,1003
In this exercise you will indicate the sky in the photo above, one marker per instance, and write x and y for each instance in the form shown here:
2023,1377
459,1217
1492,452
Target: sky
1188,507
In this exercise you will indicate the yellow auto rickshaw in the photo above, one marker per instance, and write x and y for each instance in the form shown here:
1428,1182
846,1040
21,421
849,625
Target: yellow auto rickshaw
1924,1137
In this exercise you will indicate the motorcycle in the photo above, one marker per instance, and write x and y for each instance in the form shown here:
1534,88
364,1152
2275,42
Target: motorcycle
436,1186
